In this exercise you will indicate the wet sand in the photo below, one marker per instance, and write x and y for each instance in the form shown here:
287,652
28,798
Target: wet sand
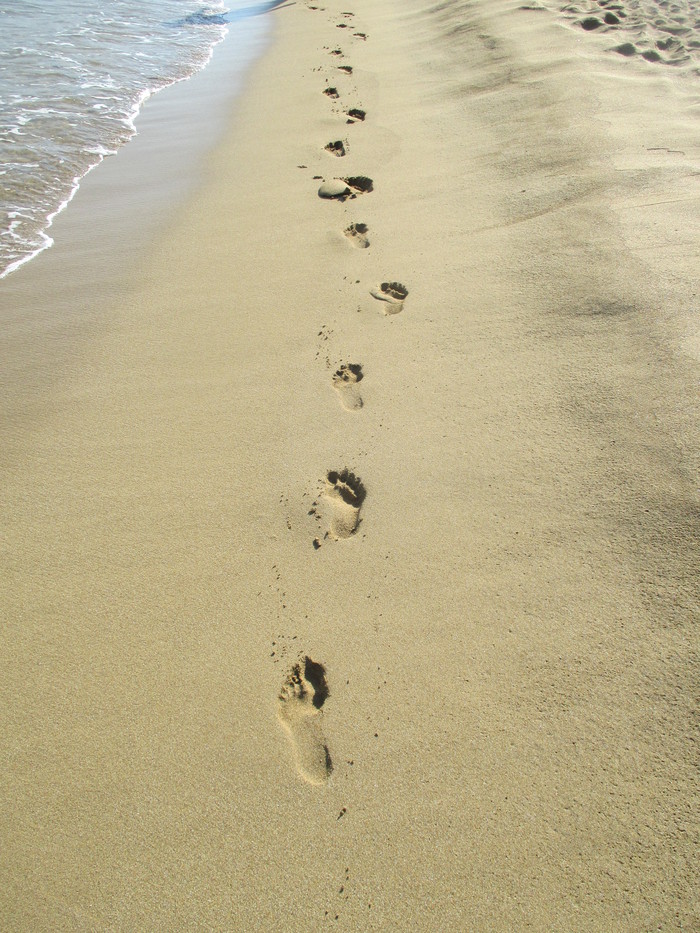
351,540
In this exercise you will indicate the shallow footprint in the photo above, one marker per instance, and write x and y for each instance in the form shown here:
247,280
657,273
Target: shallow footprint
345,382
303,694
393,294
346,493
357,234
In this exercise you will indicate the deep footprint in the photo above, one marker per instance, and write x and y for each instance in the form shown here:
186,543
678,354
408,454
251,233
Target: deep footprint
346,494
360,183
336,148
345,381
303,693
356,115
393,294
357,234
332,92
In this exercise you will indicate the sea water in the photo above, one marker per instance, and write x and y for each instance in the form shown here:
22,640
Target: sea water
73,77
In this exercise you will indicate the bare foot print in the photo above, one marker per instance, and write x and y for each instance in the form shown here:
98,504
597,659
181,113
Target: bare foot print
360,183
336,148
345,382
342,188
393,294
346,494
303,694
357,234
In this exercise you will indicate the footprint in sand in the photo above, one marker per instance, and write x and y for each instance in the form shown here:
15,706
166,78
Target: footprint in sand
356,115
340,189
336,148
345,382
393,294
346,494
303,694
357,234
360,184
332,92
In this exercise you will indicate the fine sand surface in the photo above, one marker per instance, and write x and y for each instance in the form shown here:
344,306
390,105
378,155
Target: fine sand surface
350,542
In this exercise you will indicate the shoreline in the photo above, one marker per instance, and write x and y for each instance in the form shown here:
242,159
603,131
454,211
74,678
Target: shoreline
68,292
411,650
103,154
241,20
219,81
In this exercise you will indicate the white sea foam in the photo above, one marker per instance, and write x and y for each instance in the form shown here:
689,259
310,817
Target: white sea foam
72,84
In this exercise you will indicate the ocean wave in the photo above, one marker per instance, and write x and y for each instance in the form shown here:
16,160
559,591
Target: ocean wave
71,88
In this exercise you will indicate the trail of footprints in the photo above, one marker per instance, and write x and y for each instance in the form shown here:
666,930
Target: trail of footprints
342,495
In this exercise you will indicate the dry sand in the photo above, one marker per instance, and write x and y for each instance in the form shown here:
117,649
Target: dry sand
285,647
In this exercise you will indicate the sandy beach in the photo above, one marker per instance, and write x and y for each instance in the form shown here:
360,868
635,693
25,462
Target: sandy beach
350,523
